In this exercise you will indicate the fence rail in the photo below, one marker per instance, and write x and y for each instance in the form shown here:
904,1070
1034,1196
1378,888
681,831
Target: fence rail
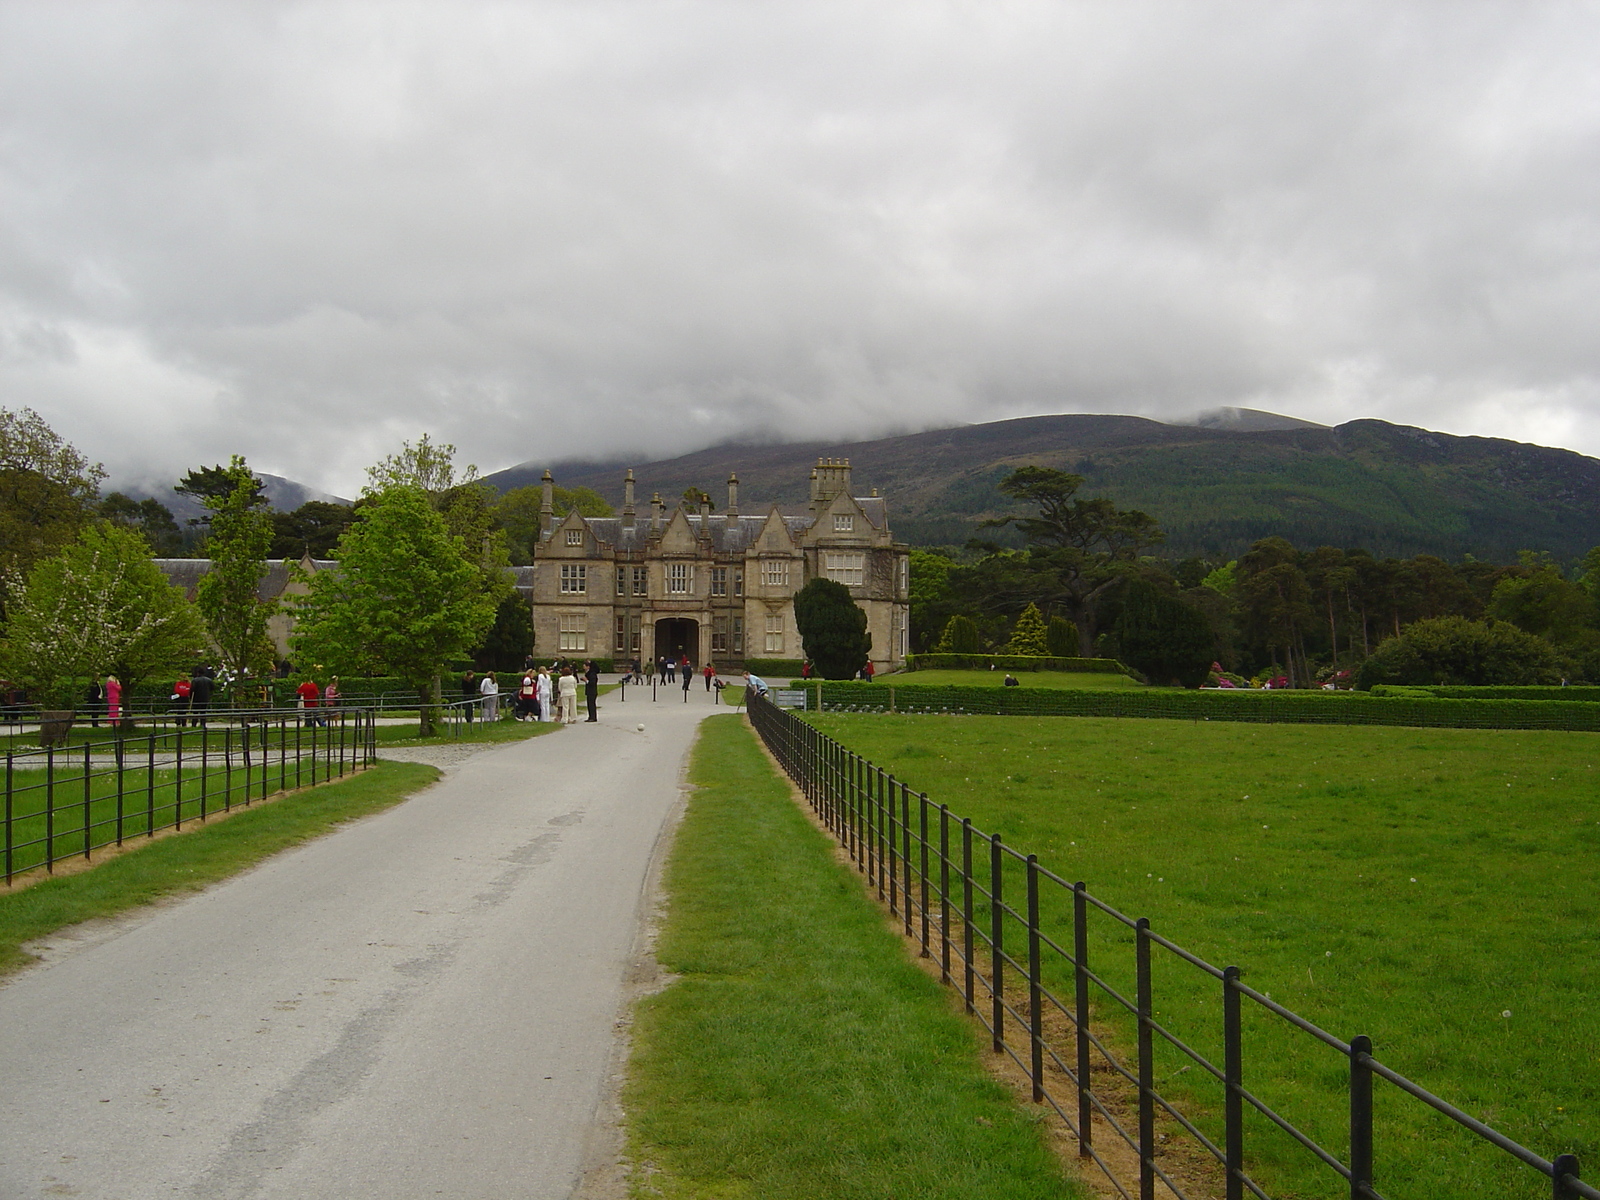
68,801
952,887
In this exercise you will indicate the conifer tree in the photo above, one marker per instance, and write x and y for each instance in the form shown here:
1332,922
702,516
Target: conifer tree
1029,635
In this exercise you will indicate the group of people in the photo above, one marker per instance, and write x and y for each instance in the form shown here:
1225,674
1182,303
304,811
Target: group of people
316,701
669,670
539,688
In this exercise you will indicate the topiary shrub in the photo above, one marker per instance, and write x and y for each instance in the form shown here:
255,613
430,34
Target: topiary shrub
960,636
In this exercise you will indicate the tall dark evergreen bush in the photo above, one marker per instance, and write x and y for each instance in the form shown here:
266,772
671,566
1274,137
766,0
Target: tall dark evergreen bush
1162,636
960,636
833,629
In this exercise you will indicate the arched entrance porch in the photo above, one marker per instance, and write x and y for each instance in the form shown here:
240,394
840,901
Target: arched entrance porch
677,637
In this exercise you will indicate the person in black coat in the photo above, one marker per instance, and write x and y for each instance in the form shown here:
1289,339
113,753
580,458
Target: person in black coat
591,687
469,692
201,686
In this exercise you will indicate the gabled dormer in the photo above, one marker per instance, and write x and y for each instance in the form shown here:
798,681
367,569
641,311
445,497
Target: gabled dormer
774,536
843,520
678,537
571,538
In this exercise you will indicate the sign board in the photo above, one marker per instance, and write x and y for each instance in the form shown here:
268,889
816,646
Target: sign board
789,697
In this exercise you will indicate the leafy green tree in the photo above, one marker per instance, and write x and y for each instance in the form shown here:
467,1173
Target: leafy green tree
1029,635
48,492
960,636
1060,638
1454,650
150,518
464,501
100,606
228,594
509,640
1086,546
1545,603
1163,637
314,528
932,601
406,598
833,628
516,514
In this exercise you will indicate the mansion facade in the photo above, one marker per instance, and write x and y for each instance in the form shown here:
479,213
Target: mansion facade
713,586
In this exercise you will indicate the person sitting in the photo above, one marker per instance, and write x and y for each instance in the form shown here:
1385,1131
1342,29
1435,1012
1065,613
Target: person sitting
1011,681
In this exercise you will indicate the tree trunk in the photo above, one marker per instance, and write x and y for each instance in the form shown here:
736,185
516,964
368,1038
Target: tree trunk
428,694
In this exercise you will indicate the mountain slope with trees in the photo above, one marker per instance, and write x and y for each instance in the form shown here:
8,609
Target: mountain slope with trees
1392,489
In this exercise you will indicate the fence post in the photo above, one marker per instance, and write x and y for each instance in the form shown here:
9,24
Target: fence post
905,854
922,828
1233,1082
1035,983
177,782
50,810
944,891
88,801
1564,1165
150,786
892,825
10,835
997,935
966,908
1080,971
1147,1066
1360,1116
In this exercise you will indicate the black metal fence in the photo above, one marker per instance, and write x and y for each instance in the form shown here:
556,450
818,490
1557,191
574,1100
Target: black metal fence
69,801
954,888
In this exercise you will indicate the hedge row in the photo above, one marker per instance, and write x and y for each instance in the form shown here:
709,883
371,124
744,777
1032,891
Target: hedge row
773,666
1267,707
1582,693
1011,662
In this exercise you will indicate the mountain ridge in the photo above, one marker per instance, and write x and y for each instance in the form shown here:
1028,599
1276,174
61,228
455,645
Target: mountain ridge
1393,489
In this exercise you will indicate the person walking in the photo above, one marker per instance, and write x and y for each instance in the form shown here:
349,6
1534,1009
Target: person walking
650,671
200,689
330,694
669,669
93,696
113,700
710,673
489,689
543,684
180,700
591,686
310,696
567,690
527,696
688,678
469,692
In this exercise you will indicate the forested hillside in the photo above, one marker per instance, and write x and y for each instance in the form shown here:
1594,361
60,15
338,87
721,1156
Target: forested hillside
1391,489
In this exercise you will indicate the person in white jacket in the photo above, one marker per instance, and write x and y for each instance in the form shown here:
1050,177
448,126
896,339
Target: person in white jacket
544,694
568,689
490,691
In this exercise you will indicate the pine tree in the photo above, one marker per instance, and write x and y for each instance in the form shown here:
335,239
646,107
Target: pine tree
1029,635
960,636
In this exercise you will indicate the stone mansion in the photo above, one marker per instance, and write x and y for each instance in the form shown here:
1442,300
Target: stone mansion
717,587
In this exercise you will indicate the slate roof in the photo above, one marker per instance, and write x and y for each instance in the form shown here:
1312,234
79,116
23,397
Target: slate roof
728,535
186,573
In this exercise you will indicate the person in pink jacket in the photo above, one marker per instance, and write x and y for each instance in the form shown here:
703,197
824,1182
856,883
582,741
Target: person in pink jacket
113,700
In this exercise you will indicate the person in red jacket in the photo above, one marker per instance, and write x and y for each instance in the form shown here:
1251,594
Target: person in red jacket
710,673
310,697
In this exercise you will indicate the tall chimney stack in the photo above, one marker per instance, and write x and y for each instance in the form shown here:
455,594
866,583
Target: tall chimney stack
733,495
547,505
627,500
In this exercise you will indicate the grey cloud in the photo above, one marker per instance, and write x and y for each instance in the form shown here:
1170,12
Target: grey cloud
306,232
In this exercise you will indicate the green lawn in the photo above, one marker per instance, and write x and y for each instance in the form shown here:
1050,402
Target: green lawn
798,1053
192,860
1414,885
1093,680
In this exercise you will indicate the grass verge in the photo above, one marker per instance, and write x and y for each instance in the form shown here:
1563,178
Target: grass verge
1432,888
798,1053
194,859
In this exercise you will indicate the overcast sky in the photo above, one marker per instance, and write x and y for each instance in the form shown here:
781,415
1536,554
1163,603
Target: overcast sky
306,232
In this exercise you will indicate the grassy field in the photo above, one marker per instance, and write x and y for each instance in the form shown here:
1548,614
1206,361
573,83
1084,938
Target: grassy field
188,862
1435,889
798,1054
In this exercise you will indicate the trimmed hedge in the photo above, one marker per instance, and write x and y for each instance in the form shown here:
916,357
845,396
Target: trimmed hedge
773,666
1581,693
1266,707
1012,662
